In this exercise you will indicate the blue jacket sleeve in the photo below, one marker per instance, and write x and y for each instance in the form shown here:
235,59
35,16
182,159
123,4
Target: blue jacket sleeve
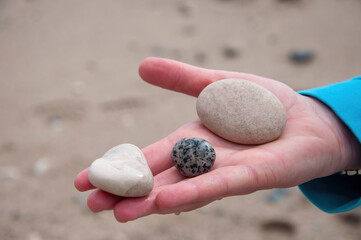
338,193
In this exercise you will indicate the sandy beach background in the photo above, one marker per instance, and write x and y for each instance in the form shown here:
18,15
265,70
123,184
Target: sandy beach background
70,90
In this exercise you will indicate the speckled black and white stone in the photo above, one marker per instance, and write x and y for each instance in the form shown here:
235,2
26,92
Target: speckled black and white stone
193,156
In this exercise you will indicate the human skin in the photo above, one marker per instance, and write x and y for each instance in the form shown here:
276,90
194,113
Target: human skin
315,143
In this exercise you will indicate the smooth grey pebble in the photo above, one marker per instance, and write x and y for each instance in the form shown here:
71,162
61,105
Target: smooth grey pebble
301,56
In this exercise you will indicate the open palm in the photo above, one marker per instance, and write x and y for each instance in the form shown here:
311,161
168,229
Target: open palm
313,144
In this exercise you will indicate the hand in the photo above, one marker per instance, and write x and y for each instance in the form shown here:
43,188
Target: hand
315,143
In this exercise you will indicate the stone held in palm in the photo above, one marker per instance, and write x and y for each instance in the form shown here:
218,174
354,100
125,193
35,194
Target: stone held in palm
123,171
241,111
193,156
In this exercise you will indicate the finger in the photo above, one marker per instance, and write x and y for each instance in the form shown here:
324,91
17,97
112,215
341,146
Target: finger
140,206
100,200
130,210
188,79
170,176
189,194
219,183
175,76
192,80
158,155
82,182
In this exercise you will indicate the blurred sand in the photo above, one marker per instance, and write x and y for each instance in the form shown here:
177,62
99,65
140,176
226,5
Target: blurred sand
69,90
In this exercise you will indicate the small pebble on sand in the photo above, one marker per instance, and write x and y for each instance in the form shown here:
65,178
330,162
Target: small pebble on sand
301,56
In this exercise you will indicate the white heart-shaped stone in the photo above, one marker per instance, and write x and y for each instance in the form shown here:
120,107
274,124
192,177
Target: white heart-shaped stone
123,171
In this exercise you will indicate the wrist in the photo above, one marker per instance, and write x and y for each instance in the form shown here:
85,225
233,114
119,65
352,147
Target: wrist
348,144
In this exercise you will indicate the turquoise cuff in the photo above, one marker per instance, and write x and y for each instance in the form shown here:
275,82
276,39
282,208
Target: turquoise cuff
335,193
338,193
